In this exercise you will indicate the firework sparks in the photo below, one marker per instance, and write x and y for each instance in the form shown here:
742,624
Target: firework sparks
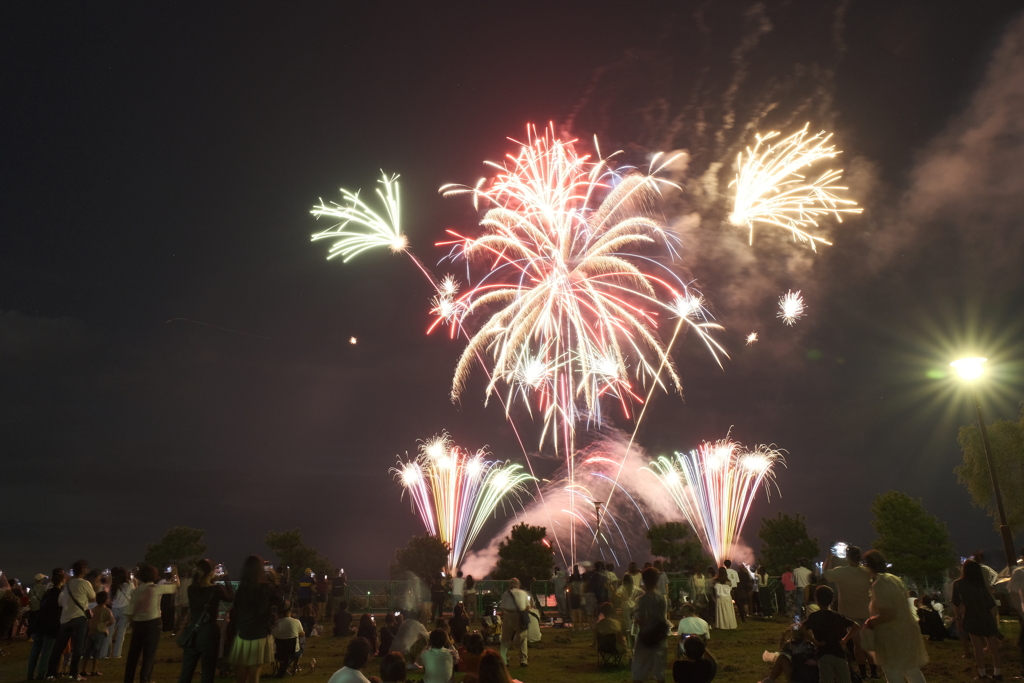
572,305
751,338
454,491
714,487
770,189
791,307
359,227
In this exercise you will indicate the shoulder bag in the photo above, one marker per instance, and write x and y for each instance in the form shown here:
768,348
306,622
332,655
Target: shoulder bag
187,637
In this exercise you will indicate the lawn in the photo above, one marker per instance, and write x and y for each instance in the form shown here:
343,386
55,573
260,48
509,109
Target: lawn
564,656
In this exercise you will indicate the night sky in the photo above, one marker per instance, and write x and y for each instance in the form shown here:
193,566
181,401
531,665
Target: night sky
158,164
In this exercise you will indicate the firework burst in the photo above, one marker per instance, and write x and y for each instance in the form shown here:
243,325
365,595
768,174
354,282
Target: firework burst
359,227
576,290
714,487
454,491
751,338
771,190
791,307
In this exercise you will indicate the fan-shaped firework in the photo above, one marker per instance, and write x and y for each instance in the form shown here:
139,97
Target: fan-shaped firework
714,486
454,491
572,304
359,227
770,189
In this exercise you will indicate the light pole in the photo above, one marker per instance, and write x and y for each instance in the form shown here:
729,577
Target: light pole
971,369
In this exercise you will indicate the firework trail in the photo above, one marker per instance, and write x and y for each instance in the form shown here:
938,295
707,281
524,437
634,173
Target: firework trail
454,491
714,486
791,307
770,189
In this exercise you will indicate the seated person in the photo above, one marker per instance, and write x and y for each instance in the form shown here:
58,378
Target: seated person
931,621
795,660
459,623
696,664
608,625
287,631
392,668
356,656
387,634
438,664
691,625
343,620
470,653
410,640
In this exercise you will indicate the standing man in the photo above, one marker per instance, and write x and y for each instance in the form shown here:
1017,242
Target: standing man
801,579
74,624
339,584
458,589
853,583
515,615
559,583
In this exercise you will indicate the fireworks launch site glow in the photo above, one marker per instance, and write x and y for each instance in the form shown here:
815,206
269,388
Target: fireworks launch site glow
714,487
455,491
791,307
770,189
575,293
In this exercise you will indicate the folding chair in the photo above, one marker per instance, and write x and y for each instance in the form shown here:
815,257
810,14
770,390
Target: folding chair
608,651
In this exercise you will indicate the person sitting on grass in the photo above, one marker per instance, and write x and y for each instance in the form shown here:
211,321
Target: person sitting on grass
356,656
829,631
438,663
795,661
608,625
392,668
459,623
343,621
367,629
470,654
930,620
691,625
387,634
493,669
695,664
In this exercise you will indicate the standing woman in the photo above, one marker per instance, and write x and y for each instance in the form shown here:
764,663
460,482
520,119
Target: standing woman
144,612
46,628
899,647
975,609
576,590
121,588
204,598
255,601
725,614
764,598
469,598
650,615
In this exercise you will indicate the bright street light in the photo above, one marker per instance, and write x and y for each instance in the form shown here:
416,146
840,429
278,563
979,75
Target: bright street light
971,369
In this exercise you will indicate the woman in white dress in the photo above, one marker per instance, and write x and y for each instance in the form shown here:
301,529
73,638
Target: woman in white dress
725,613
899,646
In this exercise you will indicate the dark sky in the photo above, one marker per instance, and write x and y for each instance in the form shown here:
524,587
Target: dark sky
159,163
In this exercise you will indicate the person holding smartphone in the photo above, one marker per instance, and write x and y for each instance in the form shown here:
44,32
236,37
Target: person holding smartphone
206,592
144,612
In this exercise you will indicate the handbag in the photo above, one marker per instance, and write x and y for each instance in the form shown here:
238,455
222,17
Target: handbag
187,637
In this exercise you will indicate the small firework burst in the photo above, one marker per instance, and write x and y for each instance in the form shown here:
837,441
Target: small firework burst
751,338
791,307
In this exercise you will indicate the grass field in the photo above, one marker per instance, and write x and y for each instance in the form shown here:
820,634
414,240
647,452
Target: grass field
562,656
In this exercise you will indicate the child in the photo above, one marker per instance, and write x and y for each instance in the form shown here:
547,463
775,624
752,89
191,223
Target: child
102,619
695,664
829,631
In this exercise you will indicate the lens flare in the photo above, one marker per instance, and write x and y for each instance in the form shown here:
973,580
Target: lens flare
771,190
454,491
714,486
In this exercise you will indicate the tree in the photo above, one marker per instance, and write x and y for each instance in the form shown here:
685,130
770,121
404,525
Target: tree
292,552
784,540
1007,442
182,546
524,548
916,543
424,556
674,541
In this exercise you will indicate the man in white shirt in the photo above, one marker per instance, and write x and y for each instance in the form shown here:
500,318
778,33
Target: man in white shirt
458,588
514,604
287,631
144,612
802,578
734,576
74,624
691,625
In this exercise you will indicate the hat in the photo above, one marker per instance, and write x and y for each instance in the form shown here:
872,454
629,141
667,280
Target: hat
40,577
